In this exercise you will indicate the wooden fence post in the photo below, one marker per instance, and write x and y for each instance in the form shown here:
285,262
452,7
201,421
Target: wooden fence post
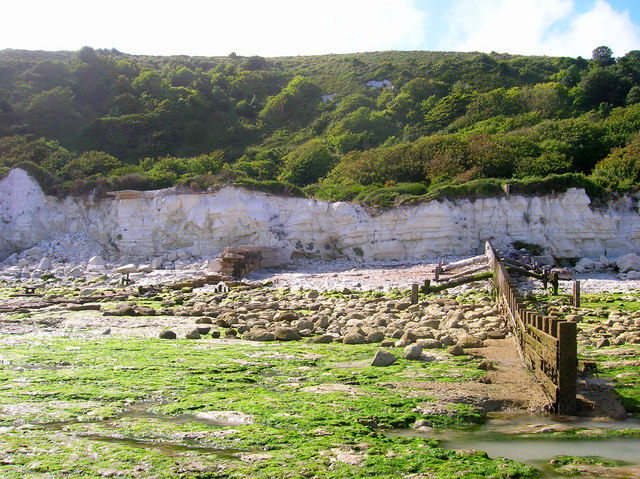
567,367
555,284
576,294
414,293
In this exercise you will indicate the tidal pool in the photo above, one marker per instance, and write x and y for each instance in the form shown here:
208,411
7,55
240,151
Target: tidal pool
525,438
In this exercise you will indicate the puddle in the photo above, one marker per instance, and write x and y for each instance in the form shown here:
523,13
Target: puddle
512,436
168,449
37,367
142,410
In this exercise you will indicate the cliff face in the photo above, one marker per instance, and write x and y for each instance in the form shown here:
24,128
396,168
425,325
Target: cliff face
150,224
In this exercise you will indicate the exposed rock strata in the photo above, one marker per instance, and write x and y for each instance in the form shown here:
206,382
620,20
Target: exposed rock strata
153,223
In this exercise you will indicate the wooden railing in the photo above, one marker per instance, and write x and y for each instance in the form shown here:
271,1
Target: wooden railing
548,346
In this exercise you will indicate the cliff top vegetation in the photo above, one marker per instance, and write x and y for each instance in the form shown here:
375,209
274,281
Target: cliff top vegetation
381,128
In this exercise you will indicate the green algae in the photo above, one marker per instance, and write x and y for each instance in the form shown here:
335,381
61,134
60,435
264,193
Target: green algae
138,408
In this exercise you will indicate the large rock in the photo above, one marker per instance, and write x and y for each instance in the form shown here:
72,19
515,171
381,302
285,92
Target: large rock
468,341
429,343
96,261
125,269
286,334
353,338
259,335
412,352
44,264
628,262
383,359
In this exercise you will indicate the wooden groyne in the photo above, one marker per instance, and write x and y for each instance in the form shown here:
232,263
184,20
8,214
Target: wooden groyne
548,345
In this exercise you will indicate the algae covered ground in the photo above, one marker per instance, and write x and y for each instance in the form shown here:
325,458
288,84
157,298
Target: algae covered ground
84,393
102,407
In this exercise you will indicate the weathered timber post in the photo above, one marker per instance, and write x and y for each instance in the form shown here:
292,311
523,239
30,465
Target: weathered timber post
576,294
414,293
437,272
426,287
567,367
555,284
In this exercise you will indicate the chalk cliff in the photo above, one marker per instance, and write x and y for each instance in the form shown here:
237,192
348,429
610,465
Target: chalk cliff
153,223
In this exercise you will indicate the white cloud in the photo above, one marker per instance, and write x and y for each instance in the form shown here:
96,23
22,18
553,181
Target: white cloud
212,27
297,27
540,27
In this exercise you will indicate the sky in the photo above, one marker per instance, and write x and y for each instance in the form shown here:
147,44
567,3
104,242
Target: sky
310,27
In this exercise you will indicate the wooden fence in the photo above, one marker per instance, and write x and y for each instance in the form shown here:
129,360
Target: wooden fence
548,346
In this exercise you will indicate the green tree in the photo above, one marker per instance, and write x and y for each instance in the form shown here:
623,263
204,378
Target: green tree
633,96
406,106
604,85
360,130
621,168
90,163
184,77
151,84
53,114
551,100
447,110
294,105
46,153
207,164
602,56
307,163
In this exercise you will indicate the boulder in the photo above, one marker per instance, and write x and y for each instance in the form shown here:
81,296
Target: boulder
286,334
324,339
123,310
383,359
456,350
167,335
429,343
287,316
96,261
156,263
193,334
374,337
259,334
412,352
353,337
145,311
407,338
496,334
469,341
125,269
486,365
563,273
44,264
203,329
75,272
628,262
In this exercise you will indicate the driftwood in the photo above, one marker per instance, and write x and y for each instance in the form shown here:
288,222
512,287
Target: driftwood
466,273
452,284
464,262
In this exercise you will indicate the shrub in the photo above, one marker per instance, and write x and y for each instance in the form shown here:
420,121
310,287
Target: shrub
621,169
308,163
279,188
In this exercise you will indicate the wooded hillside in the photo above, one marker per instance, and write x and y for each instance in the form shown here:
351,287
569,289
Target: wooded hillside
377,127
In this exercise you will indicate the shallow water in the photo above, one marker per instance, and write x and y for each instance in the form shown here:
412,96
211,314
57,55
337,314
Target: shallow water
511,436
167,448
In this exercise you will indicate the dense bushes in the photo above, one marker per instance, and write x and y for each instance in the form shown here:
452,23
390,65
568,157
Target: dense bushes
378,127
